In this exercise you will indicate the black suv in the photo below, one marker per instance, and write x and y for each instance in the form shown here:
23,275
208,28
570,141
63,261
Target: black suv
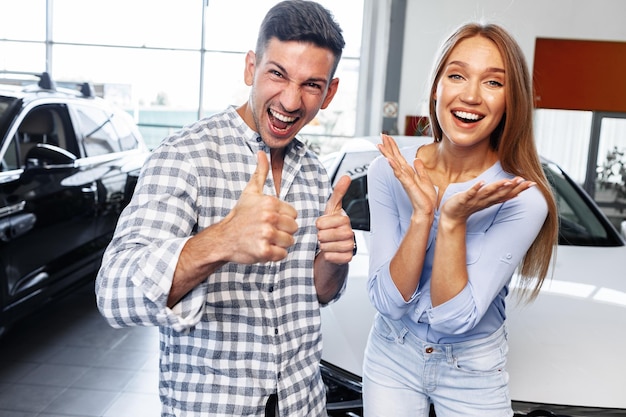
68,164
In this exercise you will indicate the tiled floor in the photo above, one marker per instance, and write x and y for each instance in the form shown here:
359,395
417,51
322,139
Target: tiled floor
66,361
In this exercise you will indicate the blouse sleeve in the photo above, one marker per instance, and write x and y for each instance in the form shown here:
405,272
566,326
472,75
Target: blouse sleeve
388,202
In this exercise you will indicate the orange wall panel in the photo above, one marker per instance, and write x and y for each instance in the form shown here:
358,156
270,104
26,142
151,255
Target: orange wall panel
580,75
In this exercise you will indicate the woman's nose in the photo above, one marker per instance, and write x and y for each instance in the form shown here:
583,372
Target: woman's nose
471,93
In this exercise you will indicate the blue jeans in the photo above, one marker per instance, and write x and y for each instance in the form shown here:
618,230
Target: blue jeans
402,375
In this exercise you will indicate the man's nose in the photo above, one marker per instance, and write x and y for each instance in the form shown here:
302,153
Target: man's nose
291,97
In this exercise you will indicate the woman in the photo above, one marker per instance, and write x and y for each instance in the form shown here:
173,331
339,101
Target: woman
449,229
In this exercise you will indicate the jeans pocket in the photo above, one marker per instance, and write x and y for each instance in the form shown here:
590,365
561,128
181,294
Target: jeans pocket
385,330
482,361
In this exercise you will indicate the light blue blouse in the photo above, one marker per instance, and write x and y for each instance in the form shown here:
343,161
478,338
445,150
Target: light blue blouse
497,240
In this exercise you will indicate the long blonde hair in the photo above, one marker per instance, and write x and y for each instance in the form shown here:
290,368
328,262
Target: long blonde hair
513,140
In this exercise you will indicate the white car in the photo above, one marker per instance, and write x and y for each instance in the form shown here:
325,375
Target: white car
567,352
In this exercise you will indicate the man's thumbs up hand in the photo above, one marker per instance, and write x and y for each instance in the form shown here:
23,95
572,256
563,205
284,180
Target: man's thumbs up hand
261,227
259,176
334,202
334,232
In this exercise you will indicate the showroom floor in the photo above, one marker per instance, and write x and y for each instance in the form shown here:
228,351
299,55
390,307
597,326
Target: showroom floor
66,361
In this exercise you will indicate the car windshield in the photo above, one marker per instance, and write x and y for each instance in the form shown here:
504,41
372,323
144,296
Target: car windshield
5,103
581,222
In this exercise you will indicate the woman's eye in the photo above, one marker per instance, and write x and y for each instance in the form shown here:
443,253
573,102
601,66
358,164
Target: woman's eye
495,83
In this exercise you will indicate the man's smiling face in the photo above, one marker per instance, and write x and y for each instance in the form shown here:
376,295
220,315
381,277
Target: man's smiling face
290,84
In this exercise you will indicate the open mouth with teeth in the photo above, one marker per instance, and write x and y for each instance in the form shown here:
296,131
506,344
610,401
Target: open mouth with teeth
279,121
466,117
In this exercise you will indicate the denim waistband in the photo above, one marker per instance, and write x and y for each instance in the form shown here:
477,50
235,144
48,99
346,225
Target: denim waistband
404,335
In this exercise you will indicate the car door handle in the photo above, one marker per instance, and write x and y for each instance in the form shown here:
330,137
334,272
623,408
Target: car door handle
15,226
92,189
13,208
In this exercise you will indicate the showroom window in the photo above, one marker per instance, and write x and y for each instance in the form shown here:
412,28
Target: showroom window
167,63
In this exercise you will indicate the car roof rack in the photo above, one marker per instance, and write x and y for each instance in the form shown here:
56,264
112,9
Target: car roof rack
47,83
86,89
45,80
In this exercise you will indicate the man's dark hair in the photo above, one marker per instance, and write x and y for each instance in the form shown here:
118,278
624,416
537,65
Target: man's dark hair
303,21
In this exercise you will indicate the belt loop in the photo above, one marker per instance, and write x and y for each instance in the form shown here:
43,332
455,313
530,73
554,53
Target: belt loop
402,334
449,354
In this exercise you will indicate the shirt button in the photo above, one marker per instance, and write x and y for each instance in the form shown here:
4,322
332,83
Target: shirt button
275,331
429,349
271,289
258,139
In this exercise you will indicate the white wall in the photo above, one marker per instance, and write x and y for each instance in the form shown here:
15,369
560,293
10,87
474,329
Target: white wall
429,22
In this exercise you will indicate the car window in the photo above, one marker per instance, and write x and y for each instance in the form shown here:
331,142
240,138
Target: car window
96,128
46,124
355,204
4,106
580,222
11,158
123,125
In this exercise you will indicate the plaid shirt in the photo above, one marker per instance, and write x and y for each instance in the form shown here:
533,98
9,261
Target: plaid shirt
248,330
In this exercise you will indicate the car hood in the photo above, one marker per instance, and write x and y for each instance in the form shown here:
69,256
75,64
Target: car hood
567,347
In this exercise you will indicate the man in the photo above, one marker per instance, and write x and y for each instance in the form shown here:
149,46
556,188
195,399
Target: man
231,242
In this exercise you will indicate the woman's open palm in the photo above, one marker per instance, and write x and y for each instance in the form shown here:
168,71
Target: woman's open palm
414,179
480,196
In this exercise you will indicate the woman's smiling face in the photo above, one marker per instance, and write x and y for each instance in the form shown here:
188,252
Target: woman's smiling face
470,94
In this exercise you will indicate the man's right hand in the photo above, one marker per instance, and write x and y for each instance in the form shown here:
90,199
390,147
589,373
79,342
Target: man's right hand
261,227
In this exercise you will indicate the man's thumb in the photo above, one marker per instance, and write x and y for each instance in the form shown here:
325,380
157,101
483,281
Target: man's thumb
334,202
257,180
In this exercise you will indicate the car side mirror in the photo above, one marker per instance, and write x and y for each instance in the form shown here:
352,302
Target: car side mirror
623,228
45,154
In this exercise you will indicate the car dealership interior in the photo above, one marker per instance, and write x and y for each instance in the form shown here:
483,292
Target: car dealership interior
166,64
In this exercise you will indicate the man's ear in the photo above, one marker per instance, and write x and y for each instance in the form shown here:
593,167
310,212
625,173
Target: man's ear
330,93
248,73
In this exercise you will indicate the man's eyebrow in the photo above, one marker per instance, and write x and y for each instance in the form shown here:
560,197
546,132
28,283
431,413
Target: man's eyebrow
282,69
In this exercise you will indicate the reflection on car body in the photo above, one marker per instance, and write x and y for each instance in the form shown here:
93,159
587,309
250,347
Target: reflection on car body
565,348
68,162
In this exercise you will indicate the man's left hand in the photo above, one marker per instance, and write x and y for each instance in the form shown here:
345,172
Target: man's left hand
334,232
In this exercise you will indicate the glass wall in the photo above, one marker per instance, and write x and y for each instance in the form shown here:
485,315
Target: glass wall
168,63
591,148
